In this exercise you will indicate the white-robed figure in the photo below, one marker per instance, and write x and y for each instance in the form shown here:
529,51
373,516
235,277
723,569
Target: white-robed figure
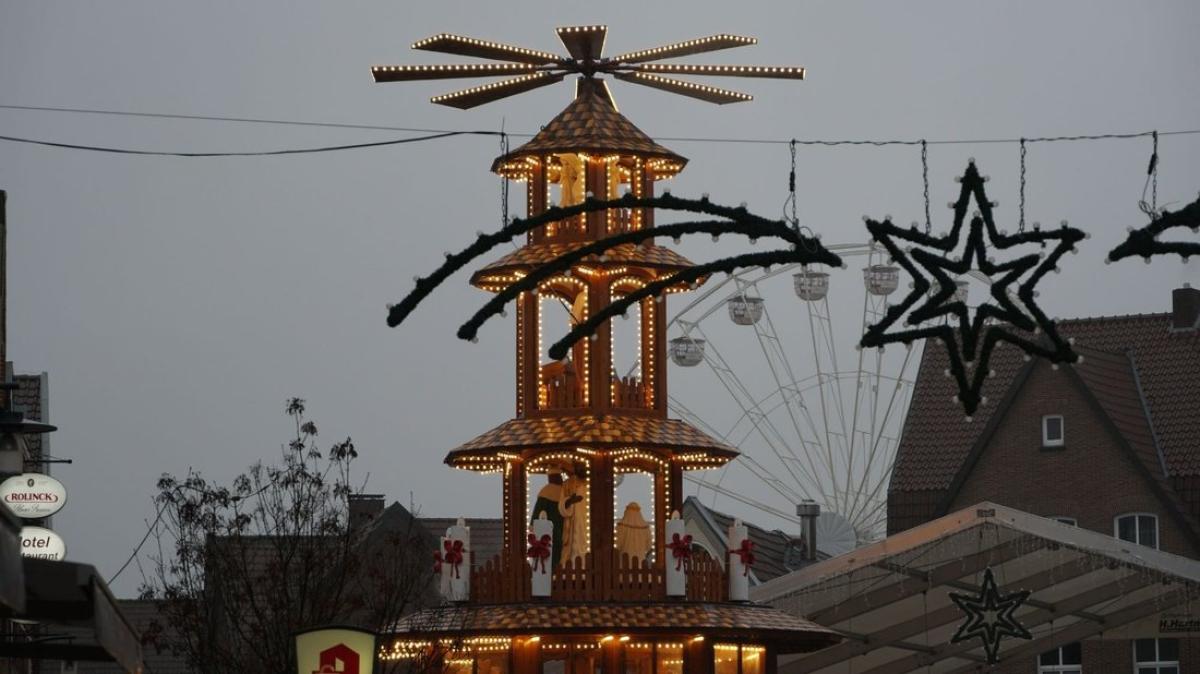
633,533
574,509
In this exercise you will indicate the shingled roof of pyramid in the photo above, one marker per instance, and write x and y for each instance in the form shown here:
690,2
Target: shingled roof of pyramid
592,124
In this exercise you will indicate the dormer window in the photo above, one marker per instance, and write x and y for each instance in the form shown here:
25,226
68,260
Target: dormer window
1053,432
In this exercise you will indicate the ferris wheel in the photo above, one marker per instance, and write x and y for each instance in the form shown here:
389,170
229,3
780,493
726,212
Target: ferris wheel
815,417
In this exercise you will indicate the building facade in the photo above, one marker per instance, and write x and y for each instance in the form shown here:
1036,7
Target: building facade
1109,445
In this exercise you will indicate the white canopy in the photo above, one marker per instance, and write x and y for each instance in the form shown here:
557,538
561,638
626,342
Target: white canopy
891,599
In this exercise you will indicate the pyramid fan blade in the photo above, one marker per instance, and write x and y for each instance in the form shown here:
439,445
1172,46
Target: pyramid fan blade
584,43
449,71
469,46
697,46
777,72
700,91
486,93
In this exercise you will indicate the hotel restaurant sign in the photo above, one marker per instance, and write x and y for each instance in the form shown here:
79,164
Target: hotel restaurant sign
33,496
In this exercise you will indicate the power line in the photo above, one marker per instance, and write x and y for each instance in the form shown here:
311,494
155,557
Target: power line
442,133
265,153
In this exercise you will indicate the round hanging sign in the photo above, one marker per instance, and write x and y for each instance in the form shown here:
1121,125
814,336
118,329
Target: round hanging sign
33,496
41,543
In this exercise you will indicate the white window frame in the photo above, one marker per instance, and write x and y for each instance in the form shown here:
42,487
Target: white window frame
1157,664
1138,526
1060,668
1062,427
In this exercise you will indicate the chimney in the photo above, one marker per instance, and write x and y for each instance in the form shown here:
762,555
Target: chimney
808,511
1185,308
364,508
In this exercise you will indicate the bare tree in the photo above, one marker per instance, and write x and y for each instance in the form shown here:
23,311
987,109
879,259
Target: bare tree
242,567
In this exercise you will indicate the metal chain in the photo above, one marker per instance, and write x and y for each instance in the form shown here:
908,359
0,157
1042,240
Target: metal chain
925,179
503,183
1021,220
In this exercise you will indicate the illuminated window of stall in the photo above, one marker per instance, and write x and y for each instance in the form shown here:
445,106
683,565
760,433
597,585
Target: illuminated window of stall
670,658
492,663
571,658
725,659
753,659
460,663
638,658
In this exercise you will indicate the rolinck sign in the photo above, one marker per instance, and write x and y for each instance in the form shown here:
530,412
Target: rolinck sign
33,496
41,543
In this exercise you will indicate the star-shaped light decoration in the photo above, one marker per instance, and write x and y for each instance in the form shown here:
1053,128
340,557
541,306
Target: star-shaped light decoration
990,616
997,319
1144,241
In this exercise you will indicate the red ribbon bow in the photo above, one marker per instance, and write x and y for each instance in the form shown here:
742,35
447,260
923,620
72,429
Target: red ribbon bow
681,549
454,555
746,552
539,550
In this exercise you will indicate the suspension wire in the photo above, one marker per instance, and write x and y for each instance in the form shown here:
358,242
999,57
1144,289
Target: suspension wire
503,179
925,180
1151,209
252,153
1021,219
792,185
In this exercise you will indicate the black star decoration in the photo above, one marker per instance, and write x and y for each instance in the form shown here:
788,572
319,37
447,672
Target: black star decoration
1000,318
1144,241
990,616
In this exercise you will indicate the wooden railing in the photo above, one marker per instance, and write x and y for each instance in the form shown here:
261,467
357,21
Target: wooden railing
581,579
561,387
628,393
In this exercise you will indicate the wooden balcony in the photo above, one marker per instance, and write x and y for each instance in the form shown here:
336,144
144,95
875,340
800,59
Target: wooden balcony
561,388
628,393
497,582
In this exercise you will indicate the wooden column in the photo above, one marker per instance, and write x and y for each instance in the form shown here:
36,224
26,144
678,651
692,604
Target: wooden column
676,482
536,197
526,656
698,657
597,184
514,516
600,351
600,512
528,356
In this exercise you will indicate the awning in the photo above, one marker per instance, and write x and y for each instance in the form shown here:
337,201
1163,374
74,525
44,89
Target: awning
79,617
891,599
12,576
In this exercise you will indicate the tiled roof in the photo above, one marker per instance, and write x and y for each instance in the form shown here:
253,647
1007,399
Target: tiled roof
534,255
678,617
590,124
775,552
593,431
937,438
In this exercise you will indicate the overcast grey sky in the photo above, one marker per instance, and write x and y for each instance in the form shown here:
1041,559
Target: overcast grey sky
176,303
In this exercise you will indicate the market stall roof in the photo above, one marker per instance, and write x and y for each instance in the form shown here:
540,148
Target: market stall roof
81,617
741,620
891,599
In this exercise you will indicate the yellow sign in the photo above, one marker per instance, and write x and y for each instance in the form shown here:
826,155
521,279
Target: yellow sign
335,650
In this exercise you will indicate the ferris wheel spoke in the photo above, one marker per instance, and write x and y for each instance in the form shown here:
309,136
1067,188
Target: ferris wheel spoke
750,408
898,392
738,496
786,384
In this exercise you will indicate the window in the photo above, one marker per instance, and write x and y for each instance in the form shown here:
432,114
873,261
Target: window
1066,659
1052,430
1140,528
1156,656
1066,520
